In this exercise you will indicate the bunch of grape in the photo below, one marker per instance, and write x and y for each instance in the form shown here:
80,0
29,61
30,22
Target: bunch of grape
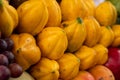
8,67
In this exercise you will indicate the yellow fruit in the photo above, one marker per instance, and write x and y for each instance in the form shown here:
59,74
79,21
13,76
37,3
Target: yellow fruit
54,12
45,69
101,53
25,50
87,57
72,9
33,16
8,18
116,30
76,33
90,7
53,42
107,36
76,8
93,31
69,66
106,13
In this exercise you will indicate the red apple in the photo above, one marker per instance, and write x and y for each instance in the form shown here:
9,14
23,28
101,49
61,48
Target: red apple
84,75
113,62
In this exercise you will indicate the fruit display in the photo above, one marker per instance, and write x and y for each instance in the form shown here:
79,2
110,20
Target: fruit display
24,76
76,33
113,62
59,40
8,66
107,36
45,69
116,41
8,18
116,3
52,42
54,11
25,50
108,13
84,75
68,72
29,23
100,72
93,33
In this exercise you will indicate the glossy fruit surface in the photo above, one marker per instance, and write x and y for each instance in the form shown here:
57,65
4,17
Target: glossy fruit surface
113,62
4,73
15,69
3,60
101,72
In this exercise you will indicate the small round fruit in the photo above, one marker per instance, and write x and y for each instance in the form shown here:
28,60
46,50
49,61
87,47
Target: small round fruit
15,69
3,45
9,55
4,73
10,43
3,60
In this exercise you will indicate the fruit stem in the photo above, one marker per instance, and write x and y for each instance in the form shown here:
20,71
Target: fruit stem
108,27
79,20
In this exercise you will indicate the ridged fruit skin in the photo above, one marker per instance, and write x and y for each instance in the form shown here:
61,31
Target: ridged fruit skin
33,16
92,30
101,54
25,50
76,33
72,9
8,18
106,13
53,42
54,11
116,3
90,7
116,31
69,66
76,8
45,69
107,36
87,56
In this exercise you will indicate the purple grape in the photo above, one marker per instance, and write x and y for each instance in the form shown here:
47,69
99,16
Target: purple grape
3,60
10,43
4,73
3,45
15,69
9,55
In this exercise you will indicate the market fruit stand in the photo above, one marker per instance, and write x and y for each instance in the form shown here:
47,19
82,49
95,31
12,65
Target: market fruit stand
59,40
